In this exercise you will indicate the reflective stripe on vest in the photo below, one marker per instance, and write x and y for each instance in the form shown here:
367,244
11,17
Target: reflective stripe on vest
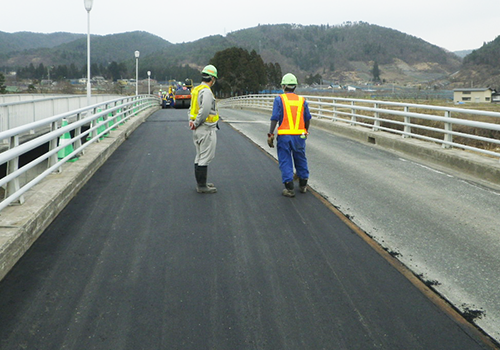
193,112
293,119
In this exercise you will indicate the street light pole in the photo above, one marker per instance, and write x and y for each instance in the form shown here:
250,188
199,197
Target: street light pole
88,7
149,82
137,53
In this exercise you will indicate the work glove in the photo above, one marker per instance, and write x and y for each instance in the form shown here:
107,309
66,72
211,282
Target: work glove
270,140
191,125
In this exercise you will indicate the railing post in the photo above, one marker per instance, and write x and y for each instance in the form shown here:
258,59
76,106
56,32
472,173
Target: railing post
136,108
353,116
78,132
93,124
447,128
13,165
5,122
334,110
32,132
376,122
34,111
53,105
407,129
52,160
105,118
320,108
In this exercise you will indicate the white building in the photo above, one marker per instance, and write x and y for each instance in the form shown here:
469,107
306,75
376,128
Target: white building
476,95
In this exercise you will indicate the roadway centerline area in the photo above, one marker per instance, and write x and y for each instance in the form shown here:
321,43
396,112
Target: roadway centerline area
140,260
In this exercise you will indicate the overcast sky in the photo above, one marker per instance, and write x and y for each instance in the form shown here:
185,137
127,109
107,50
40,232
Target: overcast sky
451,24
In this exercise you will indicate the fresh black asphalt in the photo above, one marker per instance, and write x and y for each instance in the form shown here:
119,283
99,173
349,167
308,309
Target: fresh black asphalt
139,260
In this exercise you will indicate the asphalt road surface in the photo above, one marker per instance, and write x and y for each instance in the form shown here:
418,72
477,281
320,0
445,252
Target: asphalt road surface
445,227
139,260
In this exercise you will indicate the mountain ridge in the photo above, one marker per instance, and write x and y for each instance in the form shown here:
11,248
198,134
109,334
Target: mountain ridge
341,53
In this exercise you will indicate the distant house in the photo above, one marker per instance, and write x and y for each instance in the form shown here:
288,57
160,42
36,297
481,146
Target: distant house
495,97
98,80
476,95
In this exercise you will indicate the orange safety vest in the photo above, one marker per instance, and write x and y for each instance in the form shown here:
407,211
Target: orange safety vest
293,115
195,107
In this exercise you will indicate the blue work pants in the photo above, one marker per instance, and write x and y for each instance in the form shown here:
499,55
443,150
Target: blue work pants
292,151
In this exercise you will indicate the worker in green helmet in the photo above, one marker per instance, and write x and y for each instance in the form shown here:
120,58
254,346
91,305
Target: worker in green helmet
291,114
203,118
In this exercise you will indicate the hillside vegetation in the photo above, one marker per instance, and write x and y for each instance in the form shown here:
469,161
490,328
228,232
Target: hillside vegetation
343,54
26,40
335,50
481,67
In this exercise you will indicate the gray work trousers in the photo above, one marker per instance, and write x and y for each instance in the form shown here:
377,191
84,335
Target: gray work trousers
205,140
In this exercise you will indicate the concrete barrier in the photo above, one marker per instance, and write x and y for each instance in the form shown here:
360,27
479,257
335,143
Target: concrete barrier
478,166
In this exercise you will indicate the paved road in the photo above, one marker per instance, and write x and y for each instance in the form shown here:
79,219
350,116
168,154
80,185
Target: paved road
139,260
444,227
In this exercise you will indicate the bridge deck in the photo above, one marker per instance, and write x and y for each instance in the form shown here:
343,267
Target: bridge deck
139,260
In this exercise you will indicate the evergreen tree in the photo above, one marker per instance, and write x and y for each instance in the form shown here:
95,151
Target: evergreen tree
3,88
313,79
73,72
113,71
60,73
274,75
376,72
242,72
41,72
95,69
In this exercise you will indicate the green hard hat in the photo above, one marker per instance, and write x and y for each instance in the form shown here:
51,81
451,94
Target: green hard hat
289,79
210,70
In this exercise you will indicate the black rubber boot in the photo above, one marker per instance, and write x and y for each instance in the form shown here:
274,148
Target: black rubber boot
303,185
288,191
196,174
201,180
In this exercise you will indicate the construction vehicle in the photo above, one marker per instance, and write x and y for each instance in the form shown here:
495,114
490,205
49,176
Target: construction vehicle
177,95
182,97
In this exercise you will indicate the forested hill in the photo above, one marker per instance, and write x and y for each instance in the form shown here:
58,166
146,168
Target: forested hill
349,48
312,47
481,68
346,52
11,42
73,49
488,54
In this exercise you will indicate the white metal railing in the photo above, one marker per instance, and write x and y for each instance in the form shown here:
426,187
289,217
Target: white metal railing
16,110
84,127
9,98
425,122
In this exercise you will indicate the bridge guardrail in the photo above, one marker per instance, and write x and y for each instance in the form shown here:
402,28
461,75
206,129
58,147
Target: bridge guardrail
11,98
408,120
85,126
23,109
